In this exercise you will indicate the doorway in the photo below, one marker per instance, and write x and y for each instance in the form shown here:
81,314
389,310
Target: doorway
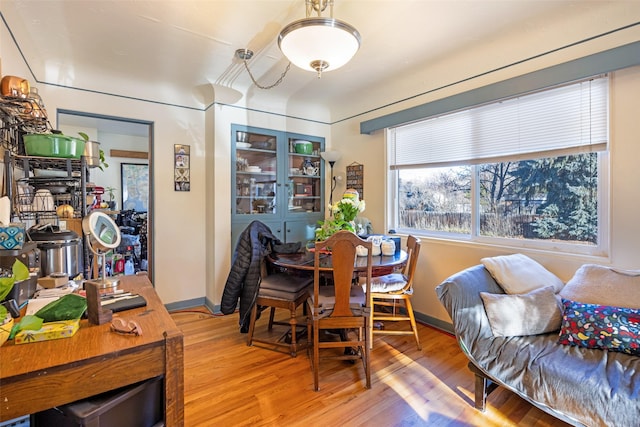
124,144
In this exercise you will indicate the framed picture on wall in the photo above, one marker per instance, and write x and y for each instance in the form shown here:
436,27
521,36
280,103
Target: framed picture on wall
135,186
181,169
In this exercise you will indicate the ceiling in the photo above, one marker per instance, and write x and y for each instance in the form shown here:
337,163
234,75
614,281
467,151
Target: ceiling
181,52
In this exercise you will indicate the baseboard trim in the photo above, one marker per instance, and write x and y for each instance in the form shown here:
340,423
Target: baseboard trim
215,309
435,323
181,305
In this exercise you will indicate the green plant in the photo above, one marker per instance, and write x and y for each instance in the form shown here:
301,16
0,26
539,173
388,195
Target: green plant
330,227
344,213
19,272
111,191
103,164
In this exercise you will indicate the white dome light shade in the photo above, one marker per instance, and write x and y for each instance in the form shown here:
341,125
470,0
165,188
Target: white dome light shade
319,44
331,156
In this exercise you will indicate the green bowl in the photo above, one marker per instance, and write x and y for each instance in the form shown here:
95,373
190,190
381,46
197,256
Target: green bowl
303,147
51,145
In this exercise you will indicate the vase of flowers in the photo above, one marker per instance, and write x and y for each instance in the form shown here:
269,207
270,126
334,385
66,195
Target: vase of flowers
343,214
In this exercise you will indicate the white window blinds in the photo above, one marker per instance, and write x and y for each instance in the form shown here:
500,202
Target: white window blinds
563,120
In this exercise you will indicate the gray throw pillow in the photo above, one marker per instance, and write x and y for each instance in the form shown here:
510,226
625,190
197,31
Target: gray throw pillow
598,284
537,312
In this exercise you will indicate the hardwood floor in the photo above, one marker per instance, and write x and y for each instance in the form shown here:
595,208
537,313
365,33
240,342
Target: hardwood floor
230,384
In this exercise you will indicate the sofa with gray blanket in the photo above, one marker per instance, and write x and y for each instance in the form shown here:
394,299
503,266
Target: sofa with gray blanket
569,349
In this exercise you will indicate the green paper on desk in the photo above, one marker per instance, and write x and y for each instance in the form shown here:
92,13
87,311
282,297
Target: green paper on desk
20,272
68,307
27,323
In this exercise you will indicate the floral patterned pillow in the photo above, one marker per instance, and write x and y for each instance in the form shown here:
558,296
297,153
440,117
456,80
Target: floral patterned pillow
600,326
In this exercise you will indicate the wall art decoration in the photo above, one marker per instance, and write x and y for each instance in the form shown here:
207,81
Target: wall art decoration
135,186
181,175
355,178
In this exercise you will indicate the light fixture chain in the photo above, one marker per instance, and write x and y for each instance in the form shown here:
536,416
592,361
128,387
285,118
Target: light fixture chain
319,6
255,82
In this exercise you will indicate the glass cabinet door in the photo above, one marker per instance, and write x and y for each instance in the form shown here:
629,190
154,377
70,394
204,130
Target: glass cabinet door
277,179
304,176
256,173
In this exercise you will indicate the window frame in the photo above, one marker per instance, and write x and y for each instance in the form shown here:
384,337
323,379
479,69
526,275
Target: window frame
601,249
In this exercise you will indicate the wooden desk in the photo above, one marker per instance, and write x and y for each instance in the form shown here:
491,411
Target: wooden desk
42,375
304,261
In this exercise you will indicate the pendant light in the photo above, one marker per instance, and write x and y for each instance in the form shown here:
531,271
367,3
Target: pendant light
315,43
319,43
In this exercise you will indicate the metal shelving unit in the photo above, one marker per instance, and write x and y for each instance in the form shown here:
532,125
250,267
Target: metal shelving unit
70,189
67,178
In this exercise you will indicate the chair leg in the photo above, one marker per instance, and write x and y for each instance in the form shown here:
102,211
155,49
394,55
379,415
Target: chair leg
412,319
309,338
271,315
252,324
316,358
293,322
367,361
370,322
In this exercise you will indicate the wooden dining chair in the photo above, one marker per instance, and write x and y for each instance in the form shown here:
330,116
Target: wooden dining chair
342,306
279,290
390,297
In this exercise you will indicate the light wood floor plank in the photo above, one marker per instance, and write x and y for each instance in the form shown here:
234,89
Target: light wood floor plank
230,384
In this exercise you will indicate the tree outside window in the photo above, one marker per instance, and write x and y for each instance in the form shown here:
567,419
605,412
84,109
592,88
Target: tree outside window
553,199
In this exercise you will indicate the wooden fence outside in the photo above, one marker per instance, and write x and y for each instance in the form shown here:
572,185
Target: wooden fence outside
509,225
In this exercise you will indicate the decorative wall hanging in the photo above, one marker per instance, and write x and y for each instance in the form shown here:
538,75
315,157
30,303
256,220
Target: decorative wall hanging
181,175
355,178
135,186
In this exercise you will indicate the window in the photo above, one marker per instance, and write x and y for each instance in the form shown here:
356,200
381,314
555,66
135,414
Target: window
527,169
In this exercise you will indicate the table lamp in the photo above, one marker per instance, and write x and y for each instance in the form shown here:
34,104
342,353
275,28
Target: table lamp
331,157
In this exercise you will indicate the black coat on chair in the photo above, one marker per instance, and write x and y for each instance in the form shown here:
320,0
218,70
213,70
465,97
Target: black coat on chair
243,281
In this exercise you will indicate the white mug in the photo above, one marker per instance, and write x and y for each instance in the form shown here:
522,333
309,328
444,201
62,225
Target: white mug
361,250
388,247
376,241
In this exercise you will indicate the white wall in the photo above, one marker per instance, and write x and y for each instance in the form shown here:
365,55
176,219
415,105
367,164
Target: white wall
179,217
192,230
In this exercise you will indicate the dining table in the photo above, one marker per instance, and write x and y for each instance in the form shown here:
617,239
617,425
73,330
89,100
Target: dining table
304,261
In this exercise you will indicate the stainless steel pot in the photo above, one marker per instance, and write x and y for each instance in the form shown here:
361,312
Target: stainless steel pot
60,251
92,153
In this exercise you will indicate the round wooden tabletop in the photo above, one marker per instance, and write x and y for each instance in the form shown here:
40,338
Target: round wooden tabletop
304,261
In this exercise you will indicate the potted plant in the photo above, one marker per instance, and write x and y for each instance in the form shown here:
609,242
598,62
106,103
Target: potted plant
91,148
344,213
111,191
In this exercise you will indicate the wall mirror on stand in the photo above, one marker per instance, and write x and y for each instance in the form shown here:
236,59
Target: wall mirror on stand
122,156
